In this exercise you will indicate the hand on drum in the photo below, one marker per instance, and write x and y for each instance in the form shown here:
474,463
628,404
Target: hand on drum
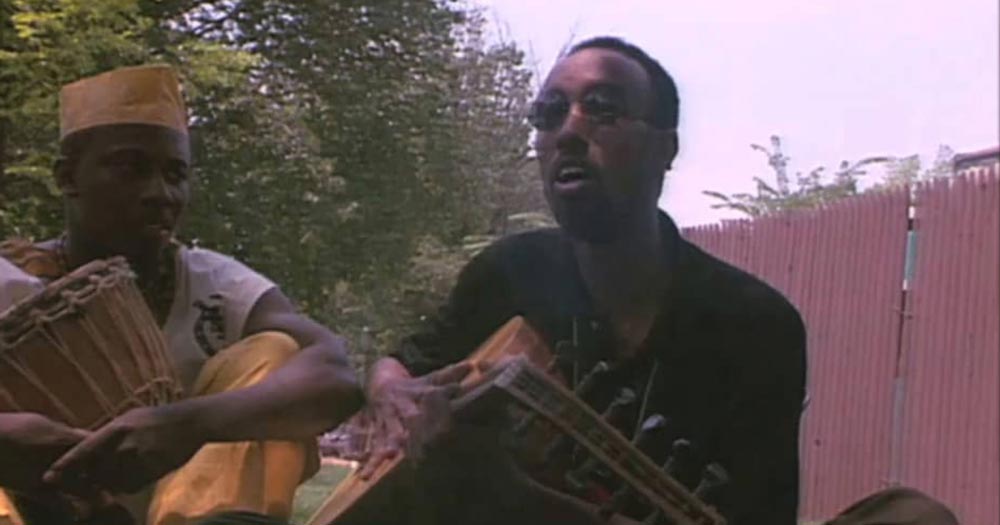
29,443
132,451
397,416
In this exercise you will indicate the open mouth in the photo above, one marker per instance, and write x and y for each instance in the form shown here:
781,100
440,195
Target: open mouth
570,174
571,178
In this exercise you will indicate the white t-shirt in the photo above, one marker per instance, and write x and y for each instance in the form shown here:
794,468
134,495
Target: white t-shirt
15,284
213,298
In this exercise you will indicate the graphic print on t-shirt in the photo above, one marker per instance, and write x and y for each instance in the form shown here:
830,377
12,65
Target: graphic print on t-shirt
210,325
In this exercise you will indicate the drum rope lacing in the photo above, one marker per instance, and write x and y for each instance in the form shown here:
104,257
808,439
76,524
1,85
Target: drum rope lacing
159,292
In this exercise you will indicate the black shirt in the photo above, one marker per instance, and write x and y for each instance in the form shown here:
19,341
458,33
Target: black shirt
726,352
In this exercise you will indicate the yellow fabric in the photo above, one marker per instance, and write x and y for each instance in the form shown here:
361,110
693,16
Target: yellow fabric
8,514
260,476
130,95
257,476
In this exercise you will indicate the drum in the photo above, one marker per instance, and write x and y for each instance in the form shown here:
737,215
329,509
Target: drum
85,349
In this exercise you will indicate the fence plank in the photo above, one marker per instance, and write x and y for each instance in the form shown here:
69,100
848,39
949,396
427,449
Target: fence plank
951,418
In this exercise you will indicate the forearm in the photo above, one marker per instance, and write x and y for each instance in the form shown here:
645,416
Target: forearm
313,392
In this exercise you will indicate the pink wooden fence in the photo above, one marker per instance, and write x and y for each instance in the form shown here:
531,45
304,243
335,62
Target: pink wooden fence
885,390
948,440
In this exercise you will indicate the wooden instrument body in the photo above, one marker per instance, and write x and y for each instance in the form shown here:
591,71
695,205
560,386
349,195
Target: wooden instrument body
366,502
85,349
510,367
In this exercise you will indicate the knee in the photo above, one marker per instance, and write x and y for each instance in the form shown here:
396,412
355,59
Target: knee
246,362
270,349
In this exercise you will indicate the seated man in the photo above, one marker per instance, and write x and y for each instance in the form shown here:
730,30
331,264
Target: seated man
716,352
261,379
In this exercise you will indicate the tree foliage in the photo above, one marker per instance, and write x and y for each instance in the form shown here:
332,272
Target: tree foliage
356,151
815,188
909,170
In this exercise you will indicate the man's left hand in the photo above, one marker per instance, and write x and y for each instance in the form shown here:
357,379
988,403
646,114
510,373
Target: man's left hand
132,451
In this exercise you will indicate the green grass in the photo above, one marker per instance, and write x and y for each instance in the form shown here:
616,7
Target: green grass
313,492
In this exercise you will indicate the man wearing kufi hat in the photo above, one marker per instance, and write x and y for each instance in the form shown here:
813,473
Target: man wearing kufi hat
261,380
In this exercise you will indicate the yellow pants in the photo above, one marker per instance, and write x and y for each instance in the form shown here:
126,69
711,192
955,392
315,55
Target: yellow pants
259,476
8,514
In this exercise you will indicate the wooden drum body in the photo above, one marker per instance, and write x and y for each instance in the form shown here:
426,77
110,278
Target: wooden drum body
85,349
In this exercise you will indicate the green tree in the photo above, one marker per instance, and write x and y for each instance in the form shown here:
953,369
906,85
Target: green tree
358,152
815,189
48,43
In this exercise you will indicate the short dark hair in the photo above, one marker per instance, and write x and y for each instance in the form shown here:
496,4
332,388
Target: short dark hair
666,110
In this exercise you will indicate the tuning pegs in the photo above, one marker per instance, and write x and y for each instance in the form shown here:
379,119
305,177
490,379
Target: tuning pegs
681,449
626,396
680,456
653,423
713,477
587,383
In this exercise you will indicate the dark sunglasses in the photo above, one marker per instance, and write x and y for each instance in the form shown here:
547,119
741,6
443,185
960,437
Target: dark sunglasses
600,107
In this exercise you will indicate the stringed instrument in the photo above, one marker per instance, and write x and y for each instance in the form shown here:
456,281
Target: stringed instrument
514,366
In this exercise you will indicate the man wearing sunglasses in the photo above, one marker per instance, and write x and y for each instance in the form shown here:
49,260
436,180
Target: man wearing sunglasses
716,353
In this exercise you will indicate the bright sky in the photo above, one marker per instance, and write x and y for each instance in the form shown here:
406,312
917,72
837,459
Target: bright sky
836,79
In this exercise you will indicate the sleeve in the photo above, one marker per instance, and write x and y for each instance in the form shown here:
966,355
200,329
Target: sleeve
761,438
478,305
239,288
243,292
15,284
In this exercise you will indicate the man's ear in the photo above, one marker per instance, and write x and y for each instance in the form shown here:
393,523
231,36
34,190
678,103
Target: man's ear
63,169
669,145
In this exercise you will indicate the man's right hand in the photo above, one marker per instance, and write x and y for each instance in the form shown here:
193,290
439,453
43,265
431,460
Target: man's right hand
394,416
29,443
